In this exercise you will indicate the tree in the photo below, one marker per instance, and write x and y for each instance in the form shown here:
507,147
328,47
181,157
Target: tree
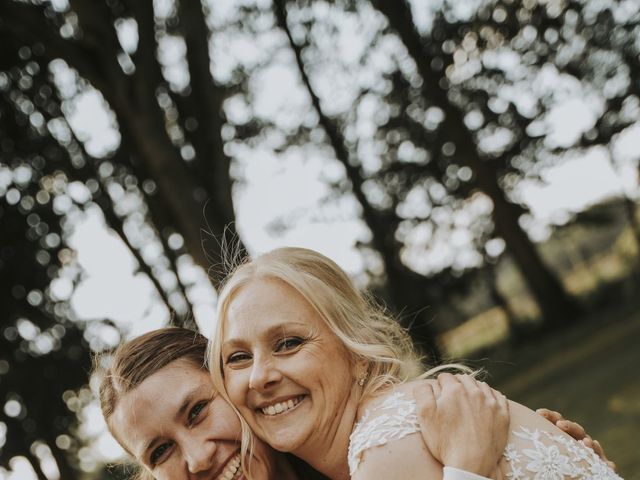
44,356
172,135
555,304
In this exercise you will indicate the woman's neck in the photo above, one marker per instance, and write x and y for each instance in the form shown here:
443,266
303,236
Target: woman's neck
328,453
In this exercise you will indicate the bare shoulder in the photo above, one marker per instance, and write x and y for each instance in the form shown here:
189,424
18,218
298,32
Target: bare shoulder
523,420
406,458
387,442
522,416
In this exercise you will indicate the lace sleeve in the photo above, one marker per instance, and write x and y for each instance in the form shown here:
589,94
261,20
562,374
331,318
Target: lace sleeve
542,455
536,450
393,419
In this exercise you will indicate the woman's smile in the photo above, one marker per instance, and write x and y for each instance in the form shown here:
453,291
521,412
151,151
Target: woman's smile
231,469
280,407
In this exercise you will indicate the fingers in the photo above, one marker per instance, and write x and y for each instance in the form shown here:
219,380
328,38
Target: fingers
448,380
476,387
576,431
552,416
588,441
503,403
572,428
425,398
489,392
597,448
472,386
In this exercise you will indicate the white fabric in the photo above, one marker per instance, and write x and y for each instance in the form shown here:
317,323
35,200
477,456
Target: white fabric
452,473
395,420
531,455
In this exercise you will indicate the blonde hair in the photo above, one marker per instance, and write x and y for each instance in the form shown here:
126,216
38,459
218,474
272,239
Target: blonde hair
368,333
136,360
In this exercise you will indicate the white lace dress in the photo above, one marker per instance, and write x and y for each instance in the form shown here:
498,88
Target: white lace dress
531,453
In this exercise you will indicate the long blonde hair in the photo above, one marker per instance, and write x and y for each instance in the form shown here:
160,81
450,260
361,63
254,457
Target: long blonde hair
368,333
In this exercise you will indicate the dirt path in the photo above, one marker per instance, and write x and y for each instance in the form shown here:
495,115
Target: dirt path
591,375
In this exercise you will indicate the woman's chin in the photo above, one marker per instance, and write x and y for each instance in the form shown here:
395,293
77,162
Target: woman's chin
285,440
285,443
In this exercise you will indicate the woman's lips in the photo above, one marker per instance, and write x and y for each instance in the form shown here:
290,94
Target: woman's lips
276,408
232,469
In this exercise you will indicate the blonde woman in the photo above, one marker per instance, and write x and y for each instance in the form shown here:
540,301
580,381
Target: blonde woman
317,370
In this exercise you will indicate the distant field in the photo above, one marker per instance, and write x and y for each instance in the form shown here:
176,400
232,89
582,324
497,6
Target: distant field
591,374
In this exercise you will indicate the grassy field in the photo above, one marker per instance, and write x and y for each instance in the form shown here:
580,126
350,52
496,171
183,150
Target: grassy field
590,373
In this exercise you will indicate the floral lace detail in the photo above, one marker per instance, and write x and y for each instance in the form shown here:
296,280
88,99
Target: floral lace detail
538,454
554,457
398,423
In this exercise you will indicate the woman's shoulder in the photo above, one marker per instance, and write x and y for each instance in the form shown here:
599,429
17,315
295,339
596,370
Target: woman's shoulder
386,443
384,419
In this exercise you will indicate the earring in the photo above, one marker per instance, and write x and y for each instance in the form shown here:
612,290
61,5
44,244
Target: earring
362,378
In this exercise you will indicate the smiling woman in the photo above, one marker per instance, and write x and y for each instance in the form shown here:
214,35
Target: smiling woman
161,406
274,337
318,371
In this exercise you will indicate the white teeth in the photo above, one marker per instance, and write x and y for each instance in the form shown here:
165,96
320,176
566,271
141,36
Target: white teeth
281,406
232,469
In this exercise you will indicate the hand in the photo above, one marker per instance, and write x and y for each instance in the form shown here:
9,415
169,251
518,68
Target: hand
576,431
464,422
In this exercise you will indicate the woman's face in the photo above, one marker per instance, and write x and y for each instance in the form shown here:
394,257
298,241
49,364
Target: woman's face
284,369
177,426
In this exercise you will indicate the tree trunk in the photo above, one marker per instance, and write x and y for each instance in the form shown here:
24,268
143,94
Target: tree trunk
556,305
401,282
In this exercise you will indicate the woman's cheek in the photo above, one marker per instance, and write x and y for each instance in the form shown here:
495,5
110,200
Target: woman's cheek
233,383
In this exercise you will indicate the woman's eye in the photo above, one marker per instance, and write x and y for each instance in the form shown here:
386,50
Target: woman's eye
196,411
238,357
288,343
158,453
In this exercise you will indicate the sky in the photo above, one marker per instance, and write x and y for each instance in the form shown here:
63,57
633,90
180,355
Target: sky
291,189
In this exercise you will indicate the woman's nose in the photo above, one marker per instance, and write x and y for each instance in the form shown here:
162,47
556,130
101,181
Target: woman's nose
200,455
264,374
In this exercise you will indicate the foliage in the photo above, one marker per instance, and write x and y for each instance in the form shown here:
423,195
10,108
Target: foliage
428,119
45,357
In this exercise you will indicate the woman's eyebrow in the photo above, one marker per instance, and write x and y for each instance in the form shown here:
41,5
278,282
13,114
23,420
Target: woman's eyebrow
188,398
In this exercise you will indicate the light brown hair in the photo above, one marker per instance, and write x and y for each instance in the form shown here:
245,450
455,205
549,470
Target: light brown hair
136,360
